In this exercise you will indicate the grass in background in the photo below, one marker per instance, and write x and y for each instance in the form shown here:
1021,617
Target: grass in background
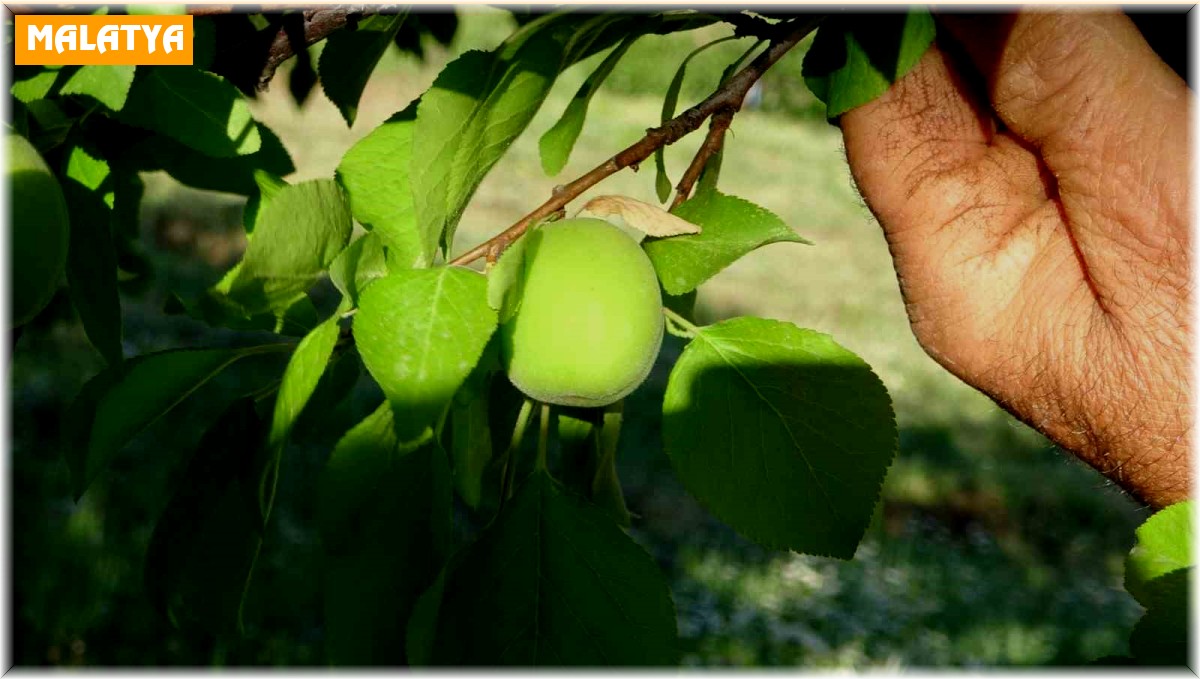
991,546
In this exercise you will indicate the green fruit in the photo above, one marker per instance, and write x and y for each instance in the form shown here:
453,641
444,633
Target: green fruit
589,321
38,228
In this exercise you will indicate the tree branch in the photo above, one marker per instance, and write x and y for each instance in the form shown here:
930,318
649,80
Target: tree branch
712,143
728,97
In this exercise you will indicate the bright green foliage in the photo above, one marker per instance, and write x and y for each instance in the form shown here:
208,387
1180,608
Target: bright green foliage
553,581
730,228
108,85
201,110
506,280
589,323
854,59
1164,544
203,550
297,235
360,263
420,332
781,433
40,227
375,173
556,144
384,514
37,85
1158,573
350,57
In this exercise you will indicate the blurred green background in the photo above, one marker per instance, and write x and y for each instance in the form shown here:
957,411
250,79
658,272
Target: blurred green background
991,548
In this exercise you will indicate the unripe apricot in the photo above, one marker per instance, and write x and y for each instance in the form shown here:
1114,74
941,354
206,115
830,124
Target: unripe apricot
589,322
39,230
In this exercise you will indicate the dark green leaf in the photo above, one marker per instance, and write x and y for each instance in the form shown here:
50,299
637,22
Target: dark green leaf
349,57
202,553
124,399
730,228
468,431
855,58
375,172
196,108
360,263
91,257
662,184
108,85
231,175
781,433
297,235
1164,544
384,513
556,144
420,332
1161,636
554,582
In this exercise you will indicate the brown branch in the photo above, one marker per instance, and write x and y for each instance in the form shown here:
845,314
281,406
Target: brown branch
318,24
728,97
712,143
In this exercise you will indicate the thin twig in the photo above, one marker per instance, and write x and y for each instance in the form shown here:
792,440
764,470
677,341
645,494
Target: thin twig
319,23
712,143
728,97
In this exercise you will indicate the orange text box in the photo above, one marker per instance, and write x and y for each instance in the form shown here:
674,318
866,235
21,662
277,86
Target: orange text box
68,39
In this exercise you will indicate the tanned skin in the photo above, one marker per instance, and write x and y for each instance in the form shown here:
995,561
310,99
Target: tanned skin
1031,175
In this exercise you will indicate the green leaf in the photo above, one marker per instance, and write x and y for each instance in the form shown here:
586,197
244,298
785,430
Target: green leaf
1164,544
124,399
199,109
108,85
231,175
297,235
203,550
349,57
505,282
554,582
420,332
384,515
556,144
300,378
375,173
855,58
606,490
91,257
1161,636
780,433
37,85
476,108
662,184
359,264
468,431
730,228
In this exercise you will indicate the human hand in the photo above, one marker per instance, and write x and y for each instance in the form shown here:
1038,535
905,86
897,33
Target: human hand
1031,177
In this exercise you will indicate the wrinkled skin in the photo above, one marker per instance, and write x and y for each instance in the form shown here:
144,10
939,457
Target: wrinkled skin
1031,179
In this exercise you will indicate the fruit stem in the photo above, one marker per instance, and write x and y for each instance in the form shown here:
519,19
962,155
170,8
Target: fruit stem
543,438
684,324
510,455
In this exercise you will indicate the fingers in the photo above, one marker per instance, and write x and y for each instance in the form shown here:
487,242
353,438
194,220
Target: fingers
1110,121
1063,79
